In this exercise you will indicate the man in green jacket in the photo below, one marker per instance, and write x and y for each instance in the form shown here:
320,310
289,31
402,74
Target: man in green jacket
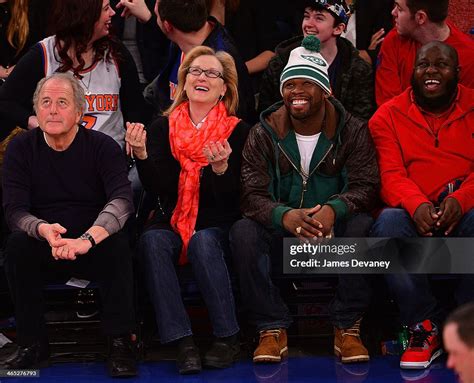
308,170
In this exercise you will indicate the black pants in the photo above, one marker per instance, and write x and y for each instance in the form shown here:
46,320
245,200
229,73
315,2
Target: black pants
29,263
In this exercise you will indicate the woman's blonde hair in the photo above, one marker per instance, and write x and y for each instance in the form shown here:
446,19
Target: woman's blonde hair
229,75
18,27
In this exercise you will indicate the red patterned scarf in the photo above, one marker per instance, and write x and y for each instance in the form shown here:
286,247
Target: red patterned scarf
187,144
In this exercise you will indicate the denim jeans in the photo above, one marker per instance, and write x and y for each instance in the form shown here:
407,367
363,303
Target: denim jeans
159,251
412,291
258,255
353,292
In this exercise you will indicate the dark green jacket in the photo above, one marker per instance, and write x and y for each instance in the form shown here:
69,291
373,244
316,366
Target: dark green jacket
343,169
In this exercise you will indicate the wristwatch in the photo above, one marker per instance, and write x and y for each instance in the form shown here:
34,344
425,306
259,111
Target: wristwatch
86,236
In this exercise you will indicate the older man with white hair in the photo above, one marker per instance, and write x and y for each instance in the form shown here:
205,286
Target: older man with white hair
67,197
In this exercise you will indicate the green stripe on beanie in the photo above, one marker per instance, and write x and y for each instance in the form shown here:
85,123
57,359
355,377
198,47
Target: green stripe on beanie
310,74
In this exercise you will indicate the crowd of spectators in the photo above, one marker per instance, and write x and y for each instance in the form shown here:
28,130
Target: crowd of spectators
243,122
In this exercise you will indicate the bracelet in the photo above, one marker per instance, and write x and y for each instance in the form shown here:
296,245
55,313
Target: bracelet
86,236
222,172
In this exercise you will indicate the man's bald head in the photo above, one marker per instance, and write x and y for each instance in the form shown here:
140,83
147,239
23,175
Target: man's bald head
435,76
446,49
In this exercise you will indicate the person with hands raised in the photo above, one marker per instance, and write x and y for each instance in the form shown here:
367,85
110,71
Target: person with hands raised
191,159
308,170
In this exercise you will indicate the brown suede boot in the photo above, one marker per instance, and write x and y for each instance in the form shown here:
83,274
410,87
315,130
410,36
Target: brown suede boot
348,346
272,346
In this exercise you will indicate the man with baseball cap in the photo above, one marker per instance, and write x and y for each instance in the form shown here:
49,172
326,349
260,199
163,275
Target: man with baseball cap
308,170
351,78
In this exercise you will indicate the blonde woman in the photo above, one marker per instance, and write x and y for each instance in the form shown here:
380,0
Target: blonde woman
191,158
22,23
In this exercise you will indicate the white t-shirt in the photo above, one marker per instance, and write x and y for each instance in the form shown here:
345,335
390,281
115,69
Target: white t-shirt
306,146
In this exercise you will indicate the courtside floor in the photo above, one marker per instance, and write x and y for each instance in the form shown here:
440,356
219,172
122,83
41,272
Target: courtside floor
381,369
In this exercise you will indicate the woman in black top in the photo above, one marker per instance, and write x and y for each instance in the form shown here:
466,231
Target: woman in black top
192,161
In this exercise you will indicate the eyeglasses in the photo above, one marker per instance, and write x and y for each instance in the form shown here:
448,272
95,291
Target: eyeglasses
211,73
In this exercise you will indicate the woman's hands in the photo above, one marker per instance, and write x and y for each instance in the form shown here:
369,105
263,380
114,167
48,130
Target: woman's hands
217,154
135,140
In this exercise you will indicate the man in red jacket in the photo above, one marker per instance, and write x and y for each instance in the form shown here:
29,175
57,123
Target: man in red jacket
425,147
418,22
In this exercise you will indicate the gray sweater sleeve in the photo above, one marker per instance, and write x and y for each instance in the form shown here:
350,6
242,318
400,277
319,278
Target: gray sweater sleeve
114,215
24,221
112,218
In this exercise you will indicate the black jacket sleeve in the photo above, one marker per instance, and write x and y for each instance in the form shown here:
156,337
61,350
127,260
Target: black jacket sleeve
159,173
16,181
131,97
257,199
16,94
363,180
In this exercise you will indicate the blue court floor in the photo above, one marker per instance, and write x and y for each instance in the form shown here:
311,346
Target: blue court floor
383,369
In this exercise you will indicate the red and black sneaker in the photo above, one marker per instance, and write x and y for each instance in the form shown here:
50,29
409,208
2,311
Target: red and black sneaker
424,346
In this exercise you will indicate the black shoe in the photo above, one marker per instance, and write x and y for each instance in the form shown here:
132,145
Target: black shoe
86,304
188,361
223,352
122,361
34,356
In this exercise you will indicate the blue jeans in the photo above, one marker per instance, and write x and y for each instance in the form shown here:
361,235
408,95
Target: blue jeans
159,251
255,257
412,291
353,291
258,255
